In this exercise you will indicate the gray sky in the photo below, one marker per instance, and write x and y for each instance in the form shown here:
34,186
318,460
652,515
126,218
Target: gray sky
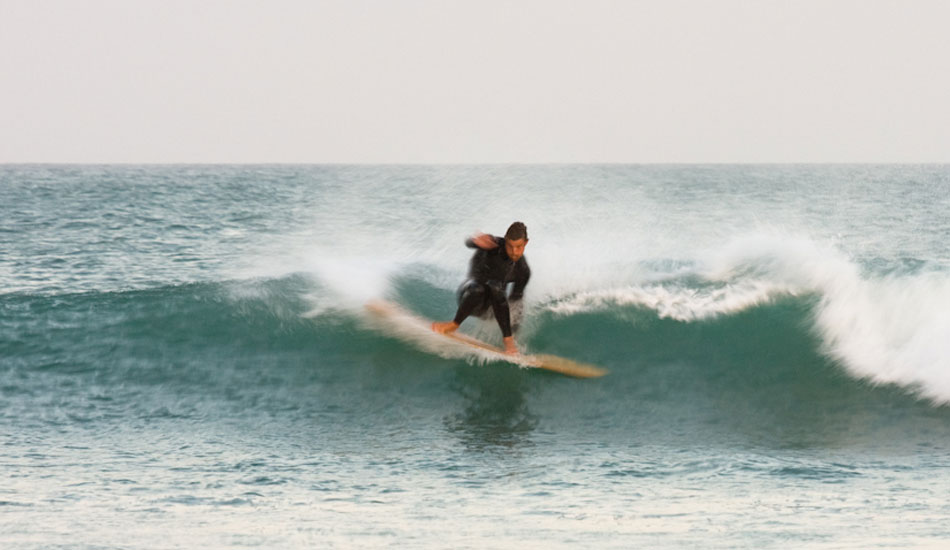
474,81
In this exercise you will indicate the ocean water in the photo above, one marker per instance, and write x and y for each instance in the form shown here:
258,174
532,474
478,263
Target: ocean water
185,360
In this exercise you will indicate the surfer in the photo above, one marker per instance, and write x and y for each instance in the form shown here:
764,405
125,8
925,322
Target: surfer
497,261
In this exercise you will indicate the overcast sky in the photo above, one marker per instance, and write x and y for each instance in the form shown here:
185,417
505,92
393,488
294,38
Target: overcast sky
407,81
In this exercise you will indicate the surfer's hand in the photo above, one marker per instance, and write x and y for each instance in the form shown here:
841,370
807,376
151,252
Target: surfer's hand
510,347
484,241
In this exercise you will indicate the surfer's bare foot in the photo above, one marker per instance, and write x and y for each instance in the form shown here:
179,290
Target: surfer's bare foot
510,347
444,327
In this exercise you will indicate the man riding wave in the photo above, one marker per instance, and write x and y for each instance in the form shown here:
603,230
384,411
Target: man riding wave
497,262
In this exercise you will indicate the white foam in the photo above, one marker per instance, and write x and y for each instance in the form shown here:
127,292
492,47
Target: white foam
892,330
411,328
682,304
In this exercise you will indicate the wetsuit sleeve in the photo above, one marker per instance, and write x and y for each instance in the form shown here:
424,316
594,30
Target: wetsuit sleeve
521,281
471,244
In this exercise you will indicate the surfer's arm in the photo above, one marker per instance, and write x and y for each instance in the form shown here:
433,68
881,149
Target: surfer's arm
483,241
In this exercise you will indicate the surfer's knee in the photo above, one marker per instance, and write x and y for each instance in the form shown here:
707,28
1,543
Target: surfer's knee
496,291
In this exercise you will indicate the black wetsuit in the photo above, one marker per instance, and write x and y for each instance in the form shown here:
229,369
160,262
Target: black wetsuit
489,273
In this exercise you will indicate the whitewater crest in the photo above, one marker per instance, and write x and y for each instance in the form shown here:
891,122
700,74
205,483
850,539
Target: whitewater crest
673,302
892,329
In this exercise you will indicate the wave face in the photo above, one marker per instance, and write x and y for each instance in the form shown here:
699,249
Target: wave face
704,362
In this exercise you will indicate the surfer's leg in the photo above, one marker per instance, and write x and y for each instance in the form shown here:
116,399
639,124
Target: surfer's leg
499,305
473,300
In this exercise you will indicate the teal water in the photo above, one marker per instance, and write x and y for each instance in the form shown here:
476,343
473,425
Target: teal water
185,361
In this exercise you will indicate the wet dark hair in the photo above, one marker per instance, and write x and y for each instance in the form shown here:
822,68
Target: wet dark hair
516,232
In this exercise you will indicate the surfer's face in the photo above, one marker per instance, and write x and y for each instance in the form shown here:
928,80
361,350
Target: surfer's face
515,249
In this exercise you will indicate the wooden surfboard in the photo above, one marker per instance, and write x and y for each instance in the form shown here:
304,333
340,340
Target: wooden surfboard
415,329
